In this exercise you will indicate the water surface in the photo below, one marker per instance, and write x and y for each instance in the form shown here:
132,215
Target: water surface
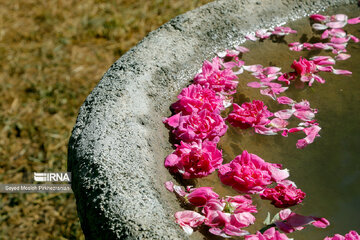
328,170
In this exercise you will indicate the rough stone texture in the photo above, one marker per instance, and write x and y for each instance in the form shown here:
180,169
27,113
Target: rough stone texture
118,144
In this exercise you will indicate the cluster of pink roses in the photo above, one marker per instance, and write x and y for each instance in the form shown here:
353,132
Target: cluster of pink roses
197,126
225,216
288,222
256,115
228,216
248,173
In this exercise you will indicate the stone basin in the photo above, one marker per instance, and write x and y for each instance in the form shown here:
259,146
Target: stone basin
118,144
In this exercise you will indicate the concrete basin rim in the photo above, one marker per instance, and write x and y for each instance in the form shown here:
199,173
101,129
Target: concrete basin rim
116,139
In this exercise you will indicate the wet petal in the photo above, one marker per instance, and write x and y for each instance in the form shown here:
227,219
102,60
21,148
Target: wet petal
341,72
354,20
342,56
318,26
251,37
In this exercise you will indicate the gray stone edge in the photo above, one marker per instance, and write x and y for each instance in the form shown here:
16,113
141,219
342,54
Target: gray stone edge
118,144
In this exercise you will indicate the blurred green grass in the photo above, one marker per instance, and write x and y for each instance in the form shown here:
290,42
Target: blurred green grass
52,54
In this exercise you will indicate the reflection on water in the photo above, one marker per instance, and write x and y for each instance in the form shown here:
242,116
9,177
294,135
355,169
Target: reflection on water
327,170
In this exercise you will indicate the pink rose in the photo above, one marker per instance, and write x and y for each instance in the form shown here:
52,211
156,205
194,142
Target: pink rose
307,69
227,217
189,220
283,195
249,115
270,234
197,126
226,224
304,67
248,173
200,196
240,203
194,160
195,98
212,77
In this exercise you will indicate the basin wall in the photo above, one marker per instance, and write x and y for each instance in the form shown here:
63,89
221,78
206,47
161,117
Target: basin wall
118,144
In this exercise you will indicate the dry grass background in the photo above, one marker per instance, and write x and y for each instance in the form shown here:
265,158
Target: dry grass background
52,54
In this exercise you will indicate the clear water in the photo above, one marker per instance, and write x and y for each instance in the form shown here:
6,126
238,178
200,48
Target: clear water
328,170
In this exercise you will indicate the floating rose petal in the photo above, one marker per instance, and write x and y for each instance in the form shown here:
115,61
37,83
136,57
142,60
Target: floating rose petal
311,133
339,33
355,39
189,220
242,49
254,68
272,92
265,130
342,56
318,26
323,60
251,37
284,114
325,69
285,100
354,20
296,46
262,33
292,221
282,31
339,24
169,185
341,72
255,85
319,17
